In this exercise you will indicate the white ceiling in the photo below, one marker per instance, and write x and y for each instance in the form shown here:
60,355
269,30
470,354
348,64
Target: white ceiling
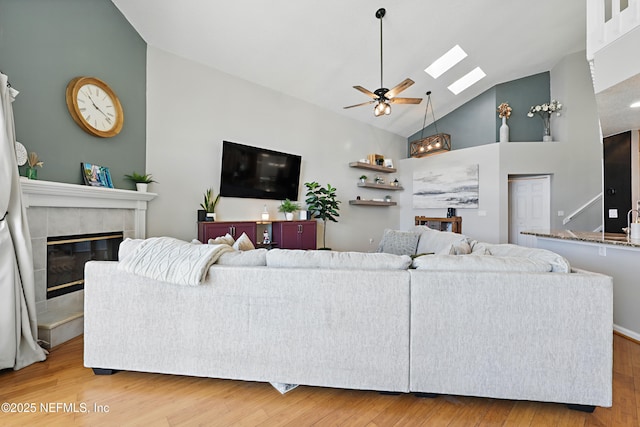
317,50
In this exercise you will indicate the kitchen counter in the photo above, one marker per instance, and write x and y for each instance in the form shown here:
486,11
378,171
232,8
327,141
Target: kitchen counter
617,239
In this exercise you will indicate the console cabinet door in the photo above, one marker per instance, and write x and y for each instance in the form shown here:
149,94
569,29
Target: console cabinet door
295,234
211,230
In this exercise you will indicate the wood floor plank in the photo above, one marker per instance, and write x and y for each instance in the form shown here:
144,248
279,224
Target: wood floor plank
137,398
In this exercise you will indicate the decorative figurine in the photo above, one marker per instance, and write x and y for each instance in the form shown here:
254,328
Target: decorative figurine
265,237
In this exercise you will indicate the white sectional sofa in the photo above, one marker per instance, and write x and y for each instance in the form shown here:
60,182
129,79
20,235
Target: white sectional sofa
366,321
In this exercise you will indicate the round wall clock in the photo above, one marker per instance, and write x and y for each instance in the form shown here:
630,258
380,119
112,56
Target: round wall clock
94,106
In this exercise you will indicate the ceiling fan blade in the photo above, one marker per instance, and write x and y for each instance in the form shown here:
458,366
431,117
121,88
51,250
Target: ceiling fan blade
361,104
405,100
366,92
399,88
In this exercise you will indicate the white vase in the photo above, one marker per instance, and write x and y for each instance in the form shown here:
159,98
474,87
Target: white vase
211,216
504,131
289,216
142,187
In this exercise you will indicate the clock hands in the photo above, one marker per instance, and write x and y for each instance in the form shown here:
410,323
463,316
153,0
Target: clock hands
98,108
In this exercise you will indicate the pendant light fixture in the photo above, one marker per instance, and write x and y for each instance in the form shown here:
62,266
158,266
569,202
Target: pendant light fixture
434,144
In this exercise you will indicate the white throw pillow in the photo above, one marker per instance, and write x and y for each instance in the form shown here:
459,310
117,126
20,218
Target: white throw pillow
243,243
127,247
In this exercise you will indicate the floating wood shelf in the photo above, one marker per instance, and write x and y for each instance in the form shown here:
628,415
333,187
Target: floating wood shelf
371,167
371,203
380,186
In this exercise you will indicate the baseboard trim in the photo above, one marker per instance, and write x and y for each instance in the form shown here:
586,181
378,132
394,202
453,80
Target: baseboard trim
626,333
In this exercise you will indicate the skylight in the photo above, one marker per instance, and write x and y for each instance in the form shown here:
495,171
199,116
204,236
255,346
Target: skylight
446,62
467,80
635,105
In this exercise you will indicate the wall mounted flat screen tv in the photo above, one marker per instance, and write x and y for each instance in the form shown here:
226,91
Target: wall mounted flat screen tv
258,173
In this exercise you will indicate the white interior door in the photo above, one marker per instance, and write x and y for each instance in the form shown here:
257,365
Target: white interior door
529,207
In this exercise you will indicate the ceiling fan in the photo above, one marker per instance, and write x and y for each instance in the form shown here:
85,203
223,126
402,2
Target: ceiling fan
383,97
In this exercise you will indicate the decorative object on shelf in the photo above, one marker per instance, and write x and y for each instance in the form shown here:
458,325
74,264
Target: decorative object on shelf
387,199
454,187
545,111
451,212
395,183
94,106
265,237
96,176
363,178
302,215
142,181
288,208
379,180
209,204
388,163
265,214
322,203
434,144
383,97
504,112
33,161
21,154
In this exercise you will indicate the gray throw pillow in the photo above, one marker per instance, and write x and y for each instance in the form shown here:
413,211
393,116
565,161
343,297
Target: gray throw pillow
399,242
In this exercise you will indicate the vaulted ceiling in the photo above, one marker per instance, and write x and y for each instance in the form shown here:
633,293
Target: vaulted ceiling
317,51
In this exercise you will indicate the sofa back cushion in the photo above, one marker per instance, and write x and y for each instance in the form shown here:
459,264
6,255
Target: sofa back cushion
480,263
559,263
294,258
250,258
399,242
441,242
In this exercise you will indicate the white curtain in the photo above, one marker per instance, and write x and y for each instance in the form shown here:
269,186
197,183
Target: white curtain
18,325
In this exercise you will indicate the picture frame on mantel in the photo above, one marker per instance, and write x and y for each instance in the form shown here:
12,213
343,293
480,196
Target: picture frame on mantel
96,176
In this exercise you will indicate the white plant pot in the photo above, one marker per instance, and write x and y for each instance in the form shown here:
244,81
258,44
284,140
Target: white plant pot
211,216
289,216
142,187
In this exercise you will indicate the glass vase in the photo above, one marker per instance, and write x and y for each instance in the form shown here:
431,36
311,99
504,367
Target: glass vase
32,173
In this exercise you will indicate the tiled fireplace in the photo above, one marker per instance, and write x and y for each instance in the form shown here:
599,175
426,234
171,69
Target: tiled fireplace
58,209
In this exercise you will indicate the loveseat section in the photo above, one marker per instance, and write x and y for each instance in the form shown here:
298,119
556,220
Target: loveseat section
525,336
332,328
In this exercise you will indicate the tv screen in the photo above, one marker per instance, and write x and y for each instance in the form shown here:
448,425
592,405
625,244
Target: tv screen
257,173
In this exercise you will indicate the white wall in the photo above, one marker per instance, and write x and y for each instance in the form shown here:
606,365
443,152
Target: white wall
574,160
191,109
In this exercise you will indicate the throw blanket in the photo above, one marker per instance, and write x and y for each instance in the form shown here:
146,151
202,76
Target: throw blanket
172,260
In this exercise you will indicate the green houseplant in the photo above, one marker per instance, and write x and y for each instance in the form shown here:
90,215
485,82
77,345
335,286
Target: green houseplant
209,204
322,203
288,208
141,181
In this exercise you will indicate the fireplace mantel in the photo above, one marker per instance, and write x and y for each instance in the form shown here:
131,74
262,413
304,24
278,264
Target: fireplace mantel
37,193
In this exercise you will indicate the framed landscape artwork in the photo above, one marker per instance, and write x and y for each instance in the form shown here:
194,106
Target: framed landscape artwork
96,176
456,187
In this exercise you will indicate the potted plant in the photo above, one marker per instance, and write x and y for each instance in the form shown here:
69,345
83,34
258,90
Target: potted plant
288,208
209,205
363,178
322,203
141,181
33,161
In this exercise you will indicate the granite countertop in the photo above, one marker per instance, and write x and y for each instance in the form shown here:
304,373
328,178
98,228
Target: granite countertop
618,239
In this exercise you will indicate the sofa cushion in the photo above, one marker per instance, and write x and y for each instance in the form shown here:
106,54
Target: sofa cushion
559,263
441,242
399,242
254,258
480,263
243,243
293,258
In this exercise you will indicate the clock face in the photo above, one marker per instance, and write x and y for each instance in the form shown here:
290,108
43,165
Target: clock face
94,106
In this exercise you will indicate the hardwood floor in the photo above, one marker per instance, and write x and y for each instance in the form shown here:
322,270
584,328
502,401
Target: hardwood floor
132,398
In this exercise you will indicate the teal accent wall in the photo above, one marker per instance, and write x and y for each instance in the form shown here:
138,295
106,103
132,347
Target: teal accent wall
43,45
477,122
